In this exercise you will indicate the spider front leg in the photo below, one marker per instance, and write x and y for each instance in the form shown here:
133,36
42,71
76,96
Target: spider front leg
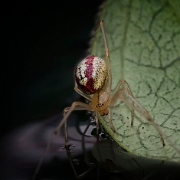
68,149
123,92
65,128
81,92
67,112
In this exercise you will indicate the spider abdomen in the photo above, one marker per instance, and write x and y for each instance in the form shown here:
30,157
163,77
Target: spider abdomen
91,74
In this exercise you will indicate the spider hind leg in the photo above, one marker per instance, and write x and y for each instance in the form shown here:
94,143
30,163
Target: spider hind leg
123,92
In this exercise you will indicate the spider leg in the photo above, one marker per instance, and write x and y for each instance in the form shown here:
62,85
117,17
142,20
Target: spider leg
84,148
65,128
123,85
110,120
97,124
124,93
81,92
68,150
107,57
75,106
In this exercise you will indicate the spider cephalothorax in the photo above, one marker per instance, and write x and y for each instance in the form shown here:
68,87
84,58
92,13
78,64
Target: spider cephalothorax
91,74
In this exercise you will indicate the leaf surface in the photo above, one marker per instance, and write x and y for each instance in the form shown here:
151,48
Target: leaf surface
144,43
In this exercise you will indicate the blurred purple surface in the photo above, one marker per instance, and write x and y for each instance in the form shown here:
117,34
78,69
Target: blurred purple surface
22,149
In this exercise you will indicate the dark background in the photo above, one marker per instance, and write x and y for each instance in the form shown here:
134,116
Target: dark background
42,41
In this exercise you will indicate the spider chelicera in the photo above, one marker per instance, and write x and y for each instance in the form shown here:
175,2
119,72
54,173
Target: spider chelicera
93,81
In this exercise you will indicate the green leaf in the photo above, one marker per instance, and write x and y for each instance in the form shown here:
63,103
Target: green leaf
144,43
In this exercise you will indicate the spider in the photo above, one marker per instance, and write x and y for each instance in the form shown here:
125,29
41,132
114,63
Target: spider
93,81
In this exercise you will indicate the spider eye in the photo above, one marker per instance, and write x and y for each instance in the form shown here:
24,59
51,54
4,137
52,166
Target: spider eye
91,74
100,105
